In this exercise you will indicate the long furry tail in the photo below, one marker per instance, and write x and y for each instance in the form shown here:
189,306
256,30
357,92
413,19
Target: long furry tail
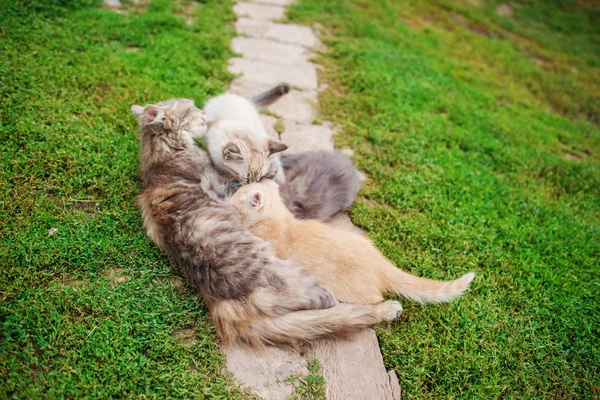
299,327
426,290
264,99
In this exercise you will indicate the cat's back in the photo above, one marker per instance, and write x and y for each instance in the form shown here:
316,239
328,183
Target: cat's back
229,106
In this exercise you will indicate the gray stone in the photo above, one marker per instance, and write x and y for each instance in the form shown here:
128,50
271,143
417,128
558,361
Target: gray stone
269,123
247,88
268,50
259,11
353,368
303,75
395,384
301,137
273,2
112,3
291,33
299,106
265,372
251,27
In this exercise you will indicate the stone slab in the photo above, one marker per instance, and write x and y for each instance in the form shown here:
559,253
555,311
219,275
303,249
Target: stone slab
265,372
247,88
268,50
302,137
299,106
353,368
273,2
251,27
303,75
269,123
261,12
292,33
395,384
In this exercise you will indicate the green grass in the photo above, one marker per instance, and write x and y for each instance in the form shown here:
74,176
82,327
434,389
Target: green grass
92,310
479,134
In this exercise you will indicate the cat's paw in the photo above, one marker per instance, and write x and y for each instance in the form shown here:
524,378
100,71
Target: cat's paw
390,310
324,298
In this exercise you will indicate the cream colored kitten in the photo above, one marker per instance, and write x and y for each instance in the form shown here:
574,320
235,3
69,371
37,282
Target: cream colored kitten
344,262
236,138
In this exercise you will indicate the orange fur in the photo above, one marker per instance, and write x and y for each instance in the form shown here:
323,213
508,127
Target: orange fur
345,262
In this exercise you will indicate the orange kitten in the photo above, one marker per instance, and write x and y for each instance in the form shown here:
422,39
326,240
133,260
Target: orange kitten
346,263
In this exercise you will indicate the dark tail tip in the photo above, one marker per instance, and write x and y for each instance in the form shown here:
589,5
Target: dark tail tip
268,97
284,88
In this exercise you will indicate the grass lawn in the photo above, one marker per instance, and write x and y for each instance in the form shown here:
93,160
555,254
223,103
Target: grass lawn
95,309
479,133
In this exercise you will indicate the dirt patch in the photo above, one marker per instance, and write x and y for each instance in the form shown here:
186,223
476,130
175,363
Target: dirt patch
567,155
89,207
178,283
475,27
116,276
417,23
132,49
185,336
504,10
69,281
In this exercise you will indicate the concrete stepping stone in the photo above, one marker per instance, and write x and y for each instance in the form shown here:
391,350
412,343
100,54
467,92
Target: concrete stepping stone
353,367
268,50
301,137
265,372
271,53
257,11
303,75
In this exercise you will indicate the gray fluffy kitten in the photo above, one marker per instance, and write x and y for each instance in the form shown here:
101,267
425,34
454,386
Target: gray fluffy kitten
253,297
318,184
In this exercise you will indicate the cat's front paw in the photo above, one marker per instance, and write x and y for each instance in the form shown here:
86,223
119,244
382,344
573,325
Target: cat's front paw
390,310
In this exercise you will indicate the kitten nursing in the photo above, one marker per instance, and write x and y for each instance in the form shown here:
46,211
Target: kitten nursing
344,262
254,298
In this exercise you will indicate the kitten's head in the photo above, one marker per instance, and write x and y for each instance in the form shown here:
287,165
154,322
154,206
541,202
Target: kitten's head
257,201
248,156
176,118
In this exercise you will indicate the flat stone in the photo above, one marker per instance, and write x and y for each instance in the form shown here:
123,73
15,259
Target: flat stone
112,3
292,33
301,137
265,372
395,384
342,222
303,75
273,2
299,106
247,88
353,368
270,51
256,11
269,123
251,27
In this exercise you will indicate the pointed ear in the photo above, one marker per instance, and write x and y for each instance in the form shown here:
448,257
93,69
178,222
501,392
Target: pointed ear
138,111
154,113
231,152
255,199
276,147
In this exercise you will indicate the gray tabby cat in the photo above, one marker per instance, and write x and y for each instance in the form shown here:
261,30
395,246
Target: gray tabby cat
253,297
318,184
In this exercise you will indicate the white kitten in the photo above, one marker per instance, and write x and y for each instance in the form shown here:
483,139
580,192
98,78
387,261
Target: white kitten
236,138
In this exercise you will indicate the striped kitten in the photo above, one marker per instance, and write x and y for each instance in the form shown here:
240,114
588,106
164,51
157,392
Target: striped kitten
254,298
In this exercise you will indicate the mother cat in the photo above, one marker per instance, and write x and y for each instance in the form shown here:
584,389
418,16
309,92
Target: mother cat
253,297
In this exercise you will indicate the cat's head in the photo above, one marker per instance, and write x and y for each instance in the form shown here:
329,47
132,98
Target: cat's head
258,200
248,156
179,119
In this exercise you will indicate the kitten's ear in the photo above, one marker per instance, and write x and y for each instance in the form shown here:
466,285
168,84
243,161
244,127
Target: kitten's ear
231,152
255,199
138,111
276,147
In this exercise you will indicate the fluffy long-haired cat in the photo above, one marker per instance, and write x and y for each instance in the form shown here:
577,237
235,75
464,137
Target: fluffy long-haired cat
236,139
254,298
345,262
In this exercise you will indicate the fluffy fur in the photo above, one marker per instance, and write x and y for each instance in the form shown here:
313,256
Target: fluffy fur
318,184
254,298
236,139
345,262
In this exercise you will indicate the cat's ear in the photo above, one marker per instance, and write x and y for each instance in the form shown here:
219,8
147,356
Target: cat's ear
138,111
276,147
157,115
255,199
231,152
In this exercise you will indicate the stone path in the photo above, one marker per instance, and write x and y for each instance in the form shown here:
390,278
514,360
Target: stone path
270,53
